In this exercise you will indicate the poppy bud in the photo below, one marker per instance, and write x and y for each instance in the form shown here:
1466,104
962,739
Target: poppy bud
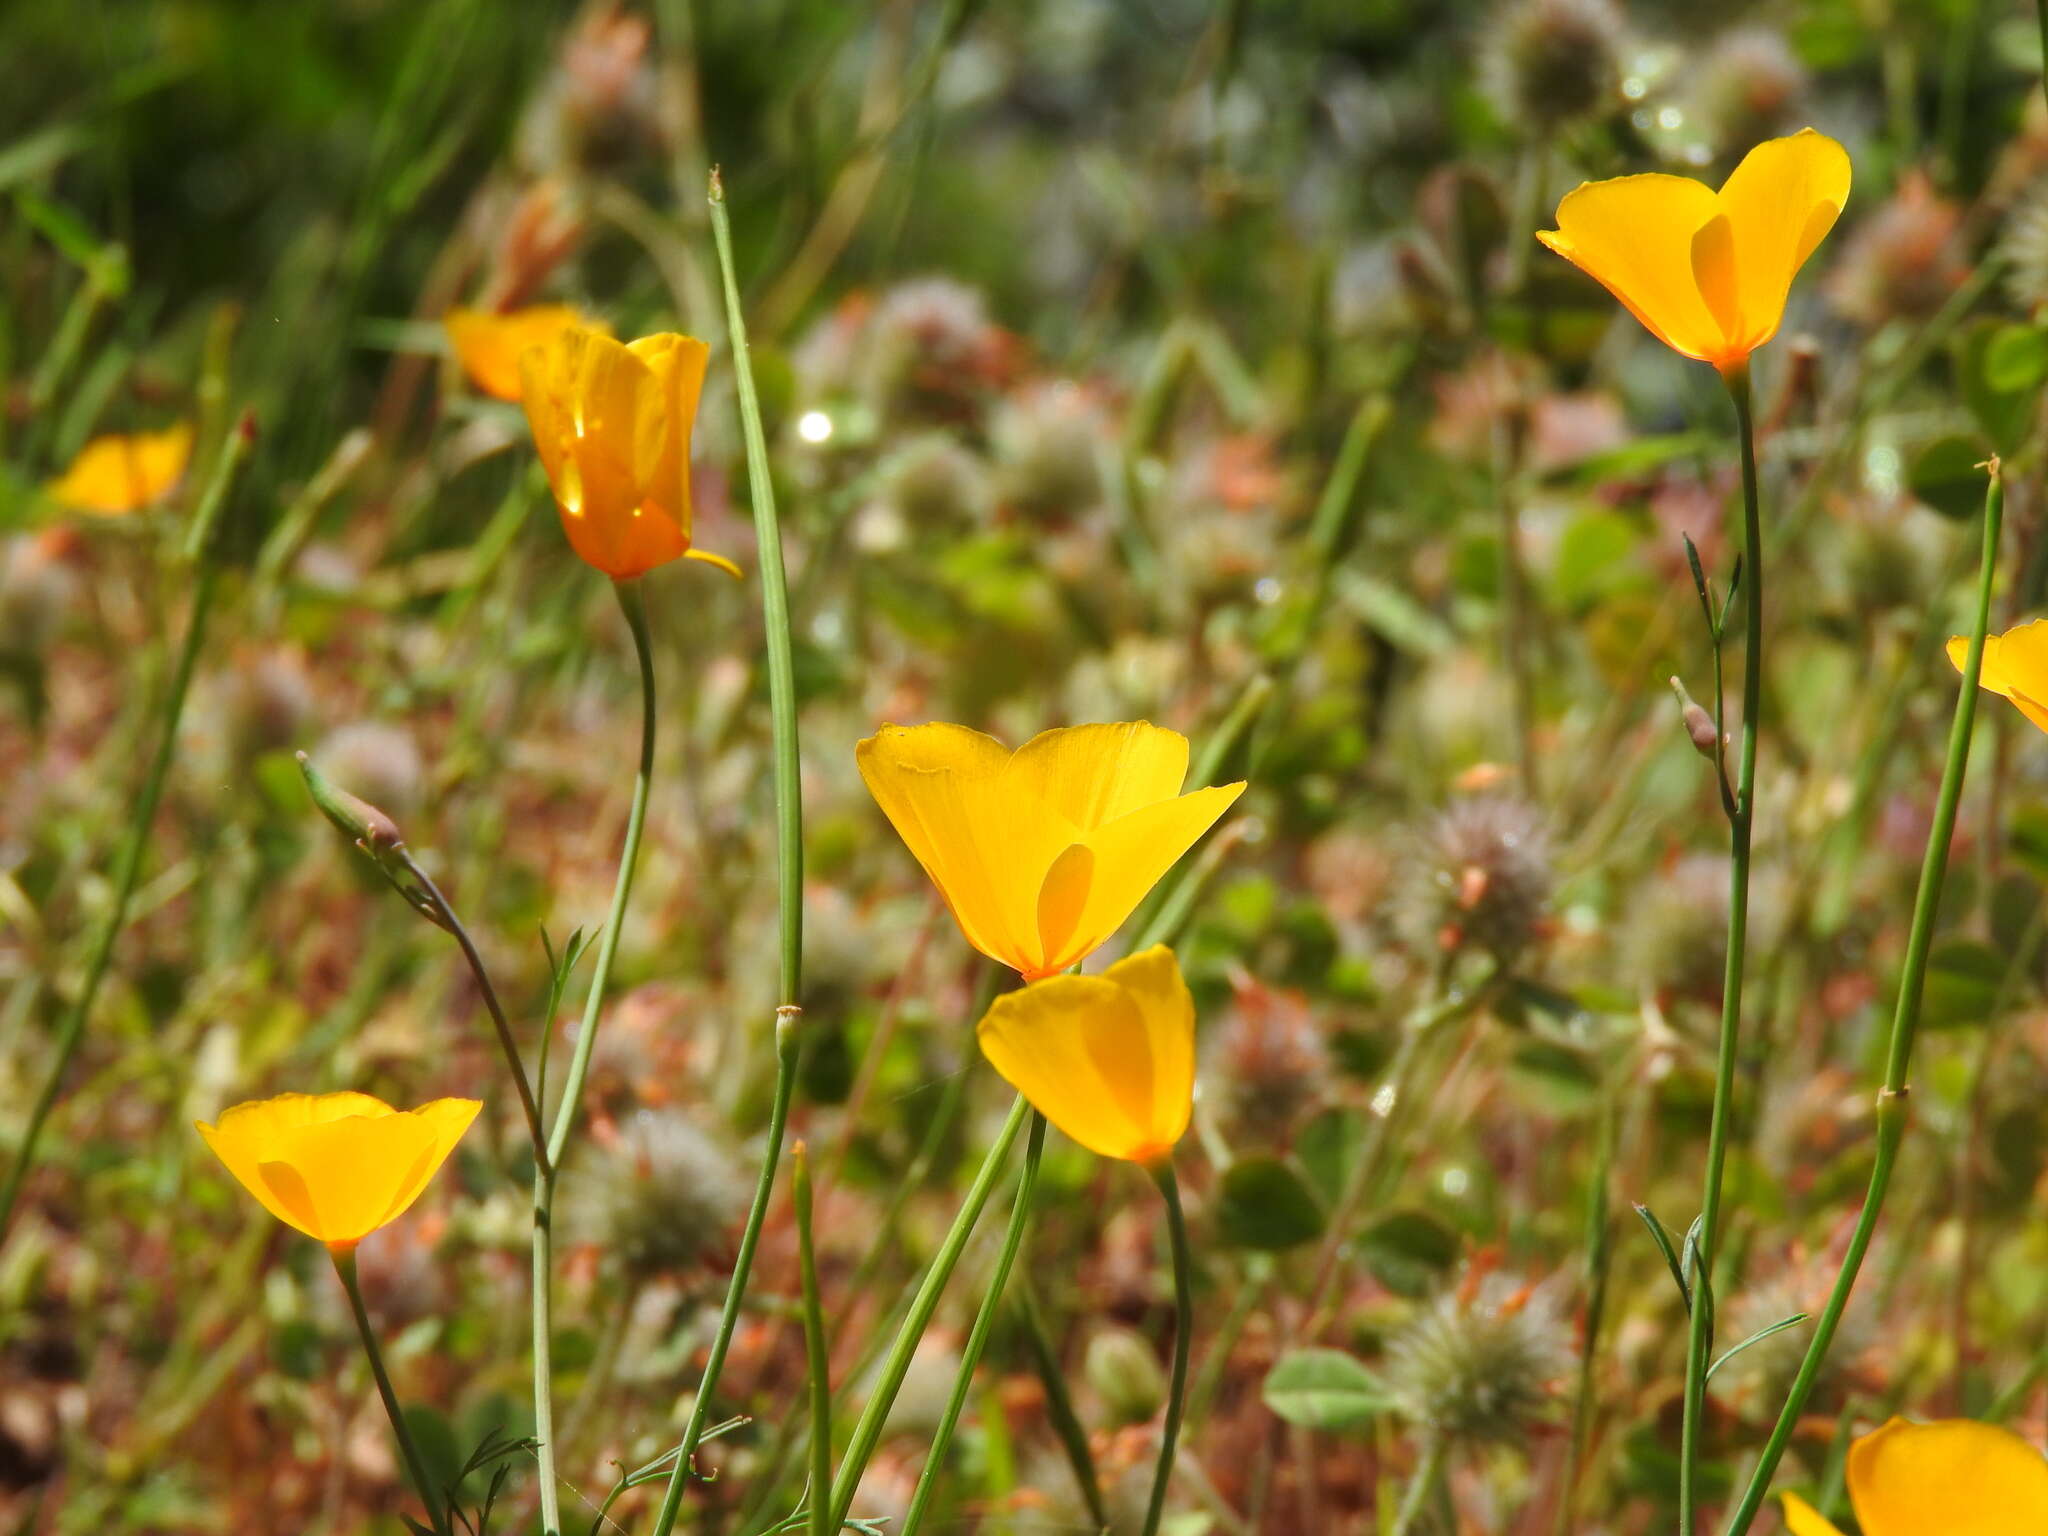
356,819
1699,725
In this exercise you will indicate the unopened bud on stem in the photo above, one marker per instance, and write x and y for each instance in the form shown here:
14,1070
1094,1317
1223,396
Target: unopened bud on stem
1699,725
356,819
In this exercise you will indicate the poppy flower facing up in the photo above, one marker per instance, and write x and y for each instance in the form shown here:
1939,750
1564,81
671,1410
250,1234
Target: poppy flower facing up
1951,1478
1708,272
1109,1059
337,1166
116,475
612,423
2015,667
489,344
1041,853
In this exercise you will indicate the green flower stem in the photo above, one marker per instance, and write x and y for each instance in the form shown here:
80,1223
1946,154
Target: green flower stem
1252,1283
736,1288
544,1184
200,547
939,1124
977,1337
415,1465
814,1342
774,614
1699,1335
1519,637
1416,1030
1892,1112
2041,22
789,836
444,917
1599,1255
1059,1405
1428,1473
867,1431
2007,1402
1183,1337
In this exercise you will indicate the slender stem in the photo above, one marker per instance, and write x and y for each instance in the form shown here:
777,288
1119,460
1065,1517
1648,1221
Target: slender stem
1518,636
1183,1337
2041,22
2003,1405
1420,1026
1699,1337
635,607
939,1123
604,1366
200,546
977,1337
1428,1472
743,1267
415,1464
1162,912
1892,1113
814,1343
1251,1287
444,916
1599,1248
774,613
789,850
867,1431
1059,1405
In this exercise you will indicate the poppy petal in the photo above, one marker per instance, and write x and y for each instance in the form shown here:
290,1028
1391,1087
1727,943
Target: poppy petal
1072,1045
1092,774
1955,1476
1802,1519
1093,886
1633,235
1781,201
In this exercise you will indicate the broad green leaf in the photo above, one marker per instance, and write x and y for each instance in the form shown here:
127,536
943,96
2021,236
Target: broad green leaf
1328,1147
2015,358
1325,1389
1945,476
1595,558
1409,1251
1267,1205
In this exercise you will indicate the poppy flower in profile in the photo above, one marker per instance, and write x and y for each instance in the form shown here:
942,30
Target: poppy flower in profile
489,343
1041,853
1109,1059
2015,667
113,476
1708,272
612,423
337,1166
1954,1477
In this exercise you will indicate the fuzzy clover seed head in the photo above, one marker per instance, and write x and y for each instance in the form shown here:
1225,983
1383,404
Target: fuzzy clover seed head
1478,1365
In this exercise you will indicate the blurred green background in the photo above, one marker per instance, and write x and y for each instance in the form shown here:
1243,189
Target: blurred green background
1161,359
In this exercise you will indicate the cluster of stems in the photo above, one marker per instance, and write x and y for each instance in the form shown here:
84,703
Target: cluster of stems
1892,1114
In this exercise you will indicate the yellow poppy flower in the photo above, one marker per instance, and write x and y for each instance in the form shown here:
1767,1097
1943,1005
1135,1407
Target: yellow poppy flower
2015,667
116,475
1951,1478
337,1166
1041,853
1109,1059
1707,272
612,423
489,344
